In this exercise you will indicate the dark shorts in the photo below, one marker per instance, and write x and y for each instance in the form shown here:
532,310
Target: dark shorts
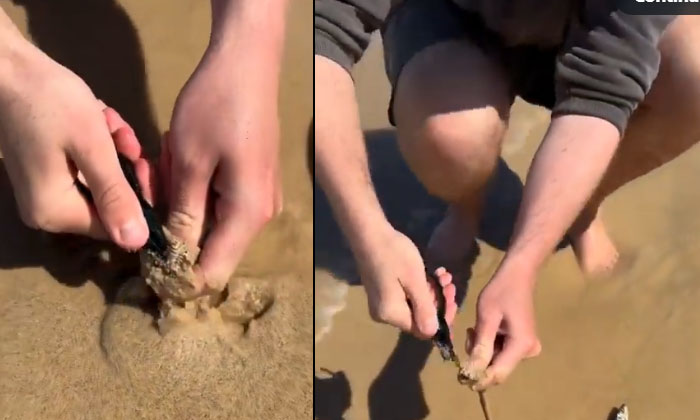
417,24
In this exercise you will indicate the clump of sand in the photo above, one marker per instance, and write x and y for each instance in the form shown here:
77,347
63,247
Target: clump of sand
182,305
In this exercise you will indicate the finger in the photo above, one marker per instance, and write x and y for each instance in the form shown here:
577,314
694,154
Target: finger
484,337
444,277
450,291
95,156
129,147
505,362
127,144
114,120
234,229
418,291
146,175
164,168
189,188
471,338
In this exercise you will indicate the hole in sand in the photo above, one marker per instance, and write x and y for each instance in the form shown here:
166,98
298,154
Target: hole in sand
136,334
206,362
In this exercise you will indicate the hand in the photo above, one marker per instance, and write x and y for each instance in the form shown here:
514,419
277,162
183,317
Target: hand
398,292
221,151
505,327
53,133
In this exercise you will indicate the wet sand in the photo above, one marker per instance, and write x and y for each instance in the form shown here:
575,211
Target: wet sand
76,342
627,338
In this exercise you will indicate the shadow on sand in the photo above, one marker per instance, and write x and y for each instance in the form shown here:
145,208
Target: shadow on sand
397,391
98,42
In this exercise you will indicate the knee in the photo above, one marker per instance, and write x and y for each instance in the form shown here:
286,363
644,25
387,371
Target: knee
454,151
679,74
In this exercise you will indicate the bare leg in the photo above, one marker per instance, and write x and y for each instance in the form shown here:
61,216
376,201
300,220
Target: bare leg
451,109
664,126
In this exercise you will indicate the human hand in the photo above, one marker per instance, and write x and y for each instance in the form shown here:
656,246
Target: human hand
398,291
220,166
505,328
54,133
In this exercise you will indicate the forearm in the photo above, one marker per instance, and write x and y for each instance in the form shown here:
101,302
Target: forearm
565,172
341,163
249,35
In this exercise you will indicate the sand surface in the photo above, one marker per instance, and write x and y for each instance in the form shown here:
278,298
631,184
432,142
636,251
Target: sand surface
77,340
629,338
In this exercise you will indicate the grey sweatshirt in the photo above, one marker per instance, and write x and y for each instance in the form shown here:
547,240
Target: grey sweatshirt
607,62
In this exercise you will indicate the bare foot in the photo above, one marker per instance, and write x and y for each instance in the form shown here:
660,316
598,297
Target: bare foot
594,250
451,243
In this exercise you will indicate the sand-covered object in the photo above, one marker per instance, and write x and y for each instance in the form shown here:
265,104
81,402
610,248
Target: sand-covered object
172,278
171,275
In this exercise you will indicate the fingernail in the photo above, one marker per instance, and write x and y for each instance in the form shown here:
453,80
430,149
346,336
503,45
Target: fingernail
133,234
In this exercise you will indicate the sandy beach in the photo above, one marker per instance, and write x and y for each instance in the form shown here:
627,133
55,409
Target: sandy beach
628,338
76,341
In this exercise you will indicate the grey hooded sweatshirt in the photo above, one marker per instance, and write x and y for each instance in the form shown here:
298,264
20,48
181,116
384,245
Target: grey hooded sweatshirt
606,63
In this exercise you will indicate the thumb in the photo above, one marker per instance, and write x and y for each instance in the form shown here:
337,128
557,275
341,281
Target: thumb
224,246
424,312
187,196
115,201
481,346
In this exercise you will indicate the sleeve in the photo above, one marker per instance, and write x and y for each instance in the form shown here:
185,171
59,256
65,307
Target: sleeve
608,64
343,28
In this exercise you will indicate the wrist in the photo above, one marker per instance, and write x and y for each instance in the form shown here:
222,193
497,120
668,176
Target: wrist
19,61
248,32
518,268
365,229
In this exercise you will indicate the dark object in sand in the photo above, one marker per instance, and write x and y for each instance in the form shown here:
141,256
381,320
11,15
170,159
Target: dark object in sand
156,238
442,338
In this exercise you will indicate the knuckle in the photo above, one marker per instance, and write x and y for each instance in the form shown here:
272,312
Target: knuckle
181,219
269,205
109,196
498,378
382,313
266,211
192,165
527,343
484,310
36,216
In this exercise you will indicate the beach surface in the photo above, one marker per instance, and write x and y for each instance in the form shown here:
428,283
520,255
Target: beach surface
77,337
628,338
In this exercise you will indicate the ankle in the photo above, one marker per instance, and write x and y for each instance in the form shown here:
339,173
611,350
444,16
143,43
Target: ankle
584,221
